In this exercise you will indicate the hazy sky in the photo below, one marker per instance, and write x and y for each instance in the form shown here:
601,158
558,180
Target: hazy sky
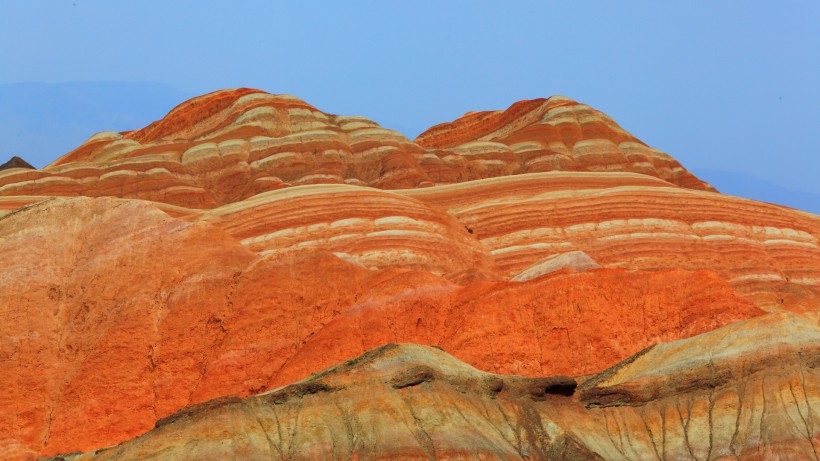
719,85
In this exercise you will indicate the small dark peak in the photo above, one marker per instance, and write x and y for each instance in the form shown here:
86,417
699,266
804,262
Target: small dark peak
16,162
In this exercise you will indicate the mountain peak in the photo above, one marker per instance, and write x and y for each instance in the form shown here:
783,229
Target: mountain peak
231,144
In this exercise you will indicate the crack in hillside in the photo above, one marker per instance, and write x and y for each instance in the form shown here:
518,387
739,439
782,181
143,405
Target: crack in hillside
809,419
685,426
642,413
761,426
421,435
609,434
294,429
252,413
485,411
349,432
279,446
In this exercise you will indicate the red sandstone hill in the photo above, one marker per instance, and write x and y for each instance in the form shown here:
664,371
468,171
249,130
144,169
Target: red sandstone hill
229,145
248,240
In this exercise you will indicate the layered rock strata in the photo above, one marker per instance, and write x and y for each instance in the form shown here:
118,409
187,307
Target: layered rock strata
555,134
229,145
767,252
126,315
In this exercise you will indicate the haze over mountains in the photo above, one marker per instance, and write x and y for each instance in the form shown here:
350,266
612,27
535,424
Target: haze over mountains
251,277
745,185
41,121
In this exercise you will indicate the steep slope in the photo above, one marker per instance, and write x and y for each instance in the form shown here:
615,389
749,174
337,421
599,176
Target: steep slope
714,396
82,294
568,323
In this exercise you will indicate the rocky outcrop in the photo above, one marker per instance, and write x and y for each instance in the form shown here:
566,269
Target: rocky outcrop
376,228
711,397
575,260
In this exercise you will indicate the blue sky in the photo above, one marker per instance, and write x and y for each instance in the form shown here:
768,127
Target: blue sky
728,86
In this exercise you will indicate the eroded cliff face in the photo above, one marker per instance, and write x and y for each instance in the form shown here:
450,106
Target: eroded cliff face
750,390
710,397
395,402
248,240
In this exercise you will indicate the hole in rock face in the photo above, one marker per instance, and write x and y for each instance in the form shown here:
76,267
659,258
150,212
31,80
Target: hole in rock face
495,385
565,389
558,385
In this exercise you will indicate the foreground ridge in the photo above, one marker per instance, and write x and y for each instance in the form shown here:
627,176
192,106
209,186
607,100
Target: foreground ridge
407,401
